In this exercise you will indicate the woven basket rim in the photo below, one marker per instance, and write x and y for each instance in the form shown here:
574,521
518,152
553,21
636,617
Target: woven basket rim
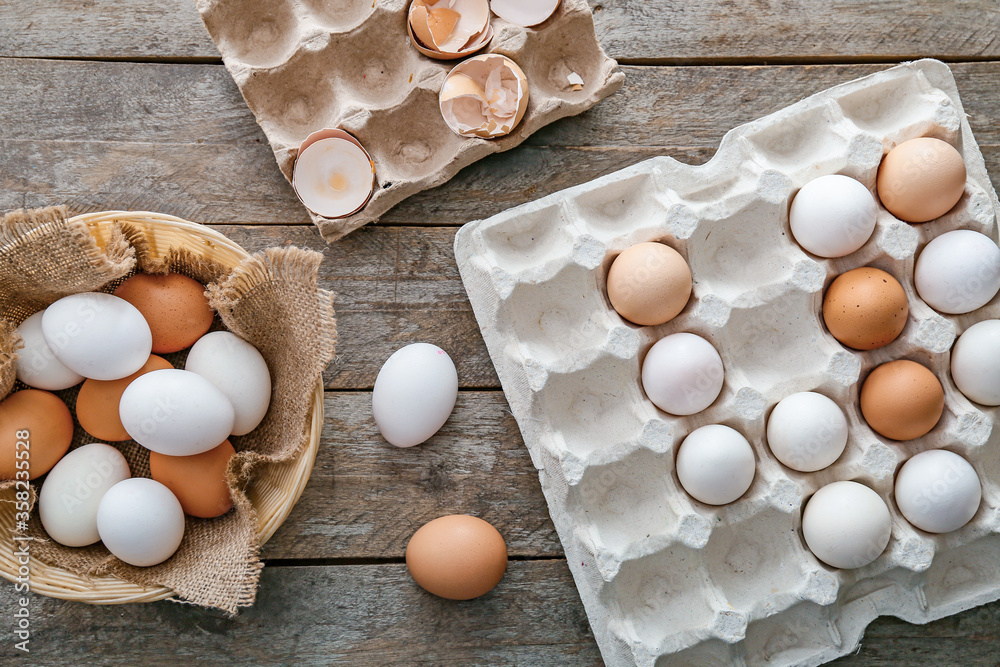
163,232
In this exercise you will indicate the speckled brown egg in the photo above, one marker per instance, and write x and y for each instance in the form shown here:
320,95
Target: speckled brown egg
921,179
902,400
865,308
40,420
457,557
649,283
198,481
174,305
97,403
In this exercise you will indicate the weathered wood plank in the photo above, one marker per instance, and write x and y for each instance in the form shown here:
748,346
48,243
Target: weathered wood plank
178,138
345,615
376,615
366,498
669,107
659,30
393,286
787,30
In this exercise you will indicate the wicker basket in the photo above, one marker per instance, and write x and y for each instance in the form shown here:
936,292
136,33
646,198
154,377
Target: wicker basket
276,488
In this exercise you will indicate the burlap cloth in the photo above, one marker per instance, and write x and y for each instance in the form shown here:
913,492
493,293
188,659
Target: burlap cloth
271,300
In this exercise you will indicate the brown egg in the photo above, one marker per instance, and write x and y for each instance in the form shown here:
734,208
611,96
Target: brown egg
97,403
649,284
902,400
39,419
457,557
865,308
921,179
198,481
174,305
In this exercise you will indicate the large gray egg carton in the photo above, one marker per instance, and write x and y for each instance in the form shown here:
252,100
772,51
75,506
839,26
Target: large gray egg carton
665,579
307,65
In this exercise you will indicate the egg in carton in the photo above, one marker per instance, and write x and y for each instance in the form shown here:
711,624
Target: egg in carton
307,65
665,579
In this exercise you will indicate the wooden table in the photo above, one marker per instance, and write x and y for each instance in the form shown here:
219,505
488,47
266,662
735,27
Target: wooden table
124,104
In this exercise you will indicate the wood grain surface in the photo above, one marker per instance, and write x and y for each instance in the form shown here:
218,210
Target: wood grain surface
124,104
661,31
179,139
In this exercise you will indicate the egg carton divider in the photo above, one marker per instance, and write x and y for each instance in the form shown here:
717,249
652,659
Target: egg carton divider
665,579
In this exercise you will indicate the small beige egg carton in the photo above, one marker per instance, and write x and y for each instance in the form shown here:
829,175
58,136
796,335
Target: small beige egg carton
665,579
307,65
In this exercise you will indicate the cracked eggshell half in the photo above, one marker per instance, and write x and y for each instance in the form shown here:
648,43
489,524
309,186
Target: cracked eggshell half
333,176
449,29
485,96
525,13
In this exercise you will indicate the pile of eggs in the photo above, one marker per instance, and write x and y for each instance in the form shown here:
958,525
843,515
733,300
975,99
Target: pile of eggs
111,344
845,524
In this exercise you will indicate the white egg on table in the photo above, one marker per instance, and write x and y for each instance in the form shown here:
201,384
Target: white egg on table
36,365
938,491
832,216
176,413
975,362
846,525
415,393
682,374
73,489
715,464
141,522
97,335
958,272
807,431
239,371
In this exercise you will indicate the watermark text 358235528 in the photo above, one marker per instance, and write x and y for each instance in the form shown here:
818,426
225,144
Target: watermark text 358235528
22,554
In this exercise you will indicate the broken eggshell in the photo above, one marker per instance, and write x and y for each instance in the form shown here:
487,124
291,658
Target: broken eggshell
485,96
525,13
335,178
449,29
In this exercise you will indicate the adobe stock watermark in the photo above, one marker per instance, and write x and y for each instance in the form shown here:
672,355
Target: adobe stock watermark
22,550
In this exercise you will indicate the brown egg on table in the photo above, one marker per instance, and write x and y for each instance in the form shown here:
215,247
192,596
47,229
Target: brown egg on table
865,308
174,305
457,557
97,402
921,179
42,421
649,283
902,400
198,481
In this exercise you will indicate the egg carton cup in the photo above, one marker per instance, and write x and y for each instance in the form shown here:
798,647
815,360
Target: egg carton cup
306,65
665,579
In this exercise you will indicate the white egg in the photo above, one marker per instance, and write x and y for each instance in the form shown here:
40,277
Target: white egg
414,394
938,491
239,371
846,525
141,522
958,272
176,413
975,362
807,431
524,13
682,374
73,489
715,464
97,335
36,365
833,216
